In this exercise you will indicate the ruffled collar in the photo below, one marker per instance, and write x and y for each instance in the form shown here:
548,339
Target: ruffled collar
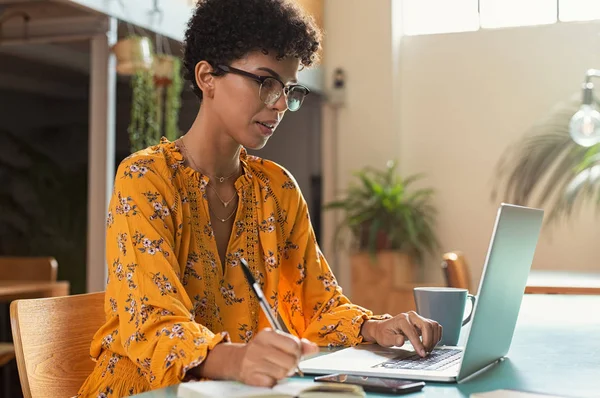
179,161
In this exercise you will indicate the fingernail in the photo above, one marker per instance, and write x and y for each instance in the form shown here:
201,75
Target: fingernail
422,352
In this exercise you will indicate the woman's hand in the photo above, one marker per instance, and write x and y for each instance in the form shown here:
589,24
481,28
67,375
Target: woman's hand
395,331
270,356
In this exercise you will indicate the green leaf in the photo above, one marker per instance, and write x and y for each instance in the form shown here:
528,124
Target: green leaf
382,202
544,168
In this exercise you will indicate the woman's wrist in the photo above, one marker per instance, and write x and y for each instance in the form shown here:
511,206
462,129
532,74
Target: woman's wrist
367,330
221,363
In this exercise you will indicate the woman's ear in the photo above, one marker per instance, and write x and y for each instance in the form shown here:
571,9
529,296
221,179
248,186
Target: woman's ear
205,78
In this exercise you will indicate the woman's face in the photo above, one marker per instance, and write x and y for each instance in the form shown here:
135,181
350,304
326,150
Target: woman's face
236,101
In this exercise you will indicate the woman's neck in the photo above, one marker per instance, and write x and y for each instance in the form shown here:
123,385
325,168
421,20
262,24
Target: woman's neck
213,152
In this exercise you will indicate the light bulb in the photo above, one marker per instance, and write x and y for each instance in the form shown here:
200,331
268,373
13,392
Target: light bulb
584,127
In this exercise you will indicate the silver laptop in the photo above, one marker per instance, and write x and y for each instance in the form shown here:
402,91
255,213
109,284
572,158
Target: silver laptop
503,282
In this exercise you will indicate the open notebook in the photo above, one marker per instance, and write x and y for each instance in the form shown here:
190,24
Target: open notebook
210,389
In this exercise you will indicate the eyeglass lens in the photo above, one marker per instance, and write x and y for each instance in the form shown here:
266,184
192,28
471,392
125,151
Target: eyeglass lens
271,90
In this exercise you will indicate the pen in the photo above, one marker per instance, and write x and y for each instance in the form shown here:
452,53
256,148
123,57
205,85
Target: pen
263,302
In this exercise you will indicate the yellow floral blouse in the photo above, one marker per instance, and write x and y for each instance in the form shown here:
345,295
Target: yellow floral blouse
169,300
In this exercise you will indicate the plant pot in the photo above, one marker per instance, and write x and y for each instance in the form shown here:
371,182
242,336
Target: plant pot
374,280
164,70
133,54
382,240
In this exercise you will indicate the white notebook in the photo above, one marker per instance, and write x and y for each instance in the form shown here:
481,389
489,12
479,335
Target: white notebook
220,389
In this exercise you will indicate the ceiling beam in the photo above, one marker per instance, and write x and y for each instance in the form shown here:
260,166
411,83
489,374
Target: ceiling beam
15,30
165,17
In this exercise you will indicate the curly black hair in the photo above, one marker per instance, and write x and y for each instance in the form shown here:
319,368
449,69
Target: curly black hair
222,31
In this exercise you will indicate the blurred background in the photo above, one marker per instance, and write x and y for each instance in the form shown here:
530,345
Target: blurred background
473,98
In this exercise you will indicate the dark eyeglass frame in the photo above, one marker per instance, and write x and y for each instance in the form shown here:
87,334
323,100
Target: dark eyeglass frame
261,79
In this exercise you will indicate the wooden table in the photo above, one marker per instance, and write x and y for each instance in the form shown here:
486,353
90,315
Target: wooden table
563,282
555,350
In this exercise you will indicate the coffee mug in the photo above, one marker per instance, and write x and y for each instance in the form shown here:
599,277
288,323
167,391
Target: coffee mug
446,306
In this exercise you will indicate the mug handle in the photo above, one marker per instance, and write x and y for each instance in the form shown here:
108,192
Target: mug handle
473,299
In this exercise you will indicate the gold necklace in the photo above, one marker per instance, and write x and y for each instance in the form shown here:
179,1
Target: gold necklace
225,203
219,218
195,166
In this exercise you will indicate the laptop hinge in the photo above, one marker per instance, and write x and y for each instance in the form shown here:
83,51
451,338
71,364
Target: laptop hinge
477,373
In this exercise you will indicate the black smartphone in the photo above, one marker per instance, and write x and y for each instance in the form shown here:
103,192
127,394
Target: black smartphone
375,384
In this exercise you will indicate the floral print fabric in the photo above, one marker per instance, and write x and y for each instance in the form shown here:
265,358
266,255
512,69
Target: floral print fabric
169,300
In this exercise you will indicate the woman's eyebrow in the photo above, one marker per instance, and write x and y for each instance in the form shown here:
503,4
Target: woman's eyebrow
275,74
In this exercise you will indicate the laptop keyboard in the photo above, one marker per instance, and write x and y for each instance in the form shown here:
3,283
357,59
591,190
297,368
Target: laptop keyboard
437,360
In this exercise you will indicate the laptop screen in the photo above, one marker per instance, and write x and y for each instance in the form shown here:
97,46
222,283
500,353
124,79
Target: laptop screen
503,282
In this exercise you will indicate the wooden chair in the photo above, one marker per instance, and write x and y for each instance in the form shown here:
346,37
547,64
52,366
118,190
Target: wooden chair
52,338
18,269
456,270
28,268
7,353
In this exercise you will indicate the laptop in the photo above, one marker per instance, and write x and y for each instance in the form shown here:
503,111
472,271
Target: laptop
507,265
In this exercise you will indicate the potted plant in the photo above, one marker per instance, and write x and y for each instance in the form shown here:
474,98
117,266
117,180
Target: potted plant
547,169
133,53
391,228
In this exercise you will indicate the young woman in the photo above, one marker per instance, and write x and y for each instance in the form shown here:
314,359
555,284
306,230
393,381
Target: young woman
184,213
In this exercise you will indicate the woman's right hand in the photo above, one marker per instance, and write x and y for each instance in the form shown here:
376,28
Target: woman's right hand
271,356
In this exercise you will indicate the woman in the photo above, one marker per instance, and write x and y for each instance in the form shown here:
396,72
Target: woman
184,213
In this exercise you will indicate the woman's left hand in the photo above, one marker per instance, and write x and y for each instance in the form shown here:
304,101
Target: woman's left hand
395,331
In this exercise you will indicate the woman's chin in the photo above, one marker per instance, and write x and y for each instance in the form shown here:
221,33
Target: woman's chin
255,143
257,146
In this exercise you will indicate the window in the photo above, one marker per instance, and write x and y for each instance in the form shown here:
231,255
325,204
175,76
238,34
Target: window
420,17
439,16
505,13
578,10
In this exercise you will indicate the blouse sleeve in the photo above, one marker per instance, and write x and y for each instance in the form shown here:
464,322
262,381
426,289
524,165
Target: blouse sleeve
312,298
156,323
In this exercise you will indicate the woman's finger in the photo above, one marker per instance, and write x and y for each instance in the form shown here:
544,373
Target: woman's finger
426,328
409,330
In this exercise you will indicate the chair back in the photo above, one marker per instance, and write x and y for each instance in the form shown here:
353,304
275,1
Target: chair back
456,270
52,338
28,268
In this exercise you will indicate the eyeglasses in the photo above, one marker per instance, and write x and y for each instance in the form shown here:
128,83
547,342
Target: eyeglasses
272,88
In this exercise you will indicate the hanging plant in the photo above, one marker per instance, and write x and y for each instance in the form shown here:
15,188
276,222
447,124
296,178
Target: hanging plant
133,53
143,127
173,103
167,77
156,86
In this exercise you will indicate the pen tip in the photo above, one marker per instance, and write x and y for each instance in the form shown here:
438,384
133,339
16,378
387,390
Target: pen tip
246,270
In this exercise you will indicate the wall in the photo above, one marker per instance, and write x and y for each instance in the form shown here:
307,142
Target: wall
448,105
359,40
465,98
315,8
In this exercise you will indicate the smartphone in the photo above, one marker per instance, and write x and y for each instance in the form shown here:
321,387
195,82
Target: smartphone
375,384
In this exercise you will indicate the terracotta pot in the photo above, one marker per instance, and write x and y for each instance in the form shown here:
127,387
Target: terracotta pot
164,69
133,54
382,241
